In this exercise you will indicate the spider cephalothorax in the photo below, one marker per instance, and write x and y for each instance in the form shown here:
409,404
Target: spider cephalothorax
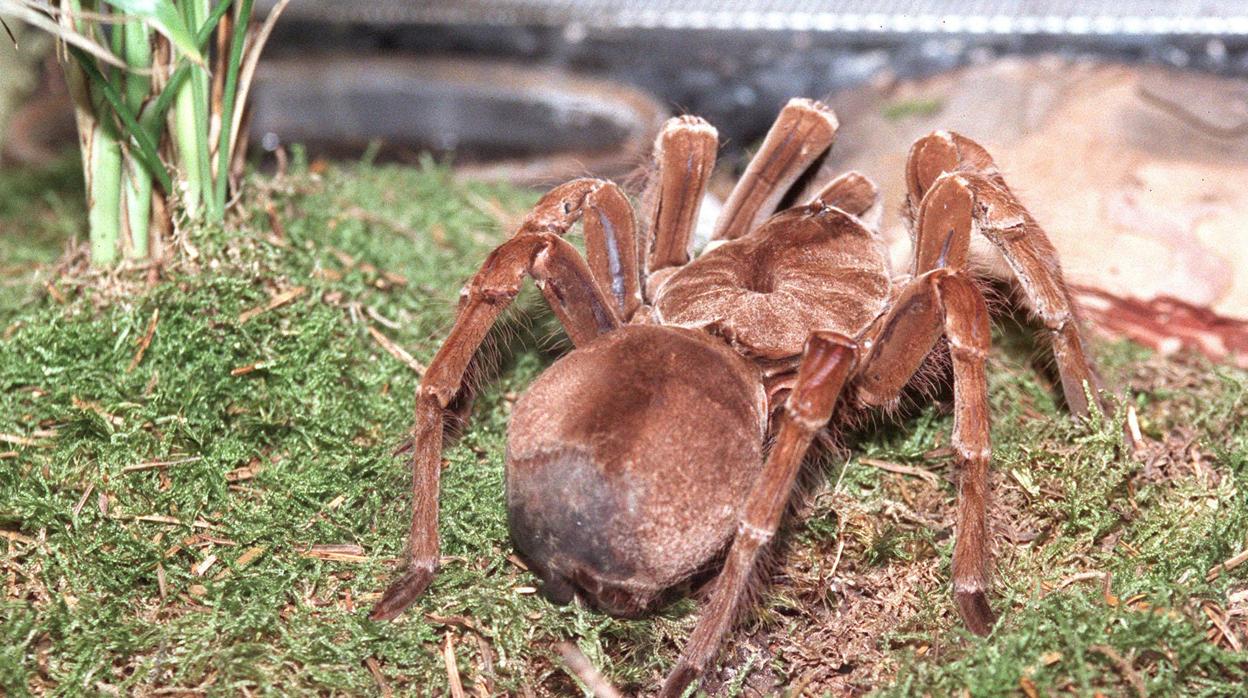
671,436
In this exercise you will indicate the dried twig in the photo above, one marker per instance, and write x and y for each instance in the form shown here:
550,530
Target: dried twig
145,341
1133,424
925,475
840,548
338,552
55,292
380,679
452,669
17,440
1219,622
372,312
207,563
246,472
1227,565
83,499
249,368
580,667
275,302
396,351
461,622
275,222
249,555
485,679
174,521
161,583
90,406
16,537
152,464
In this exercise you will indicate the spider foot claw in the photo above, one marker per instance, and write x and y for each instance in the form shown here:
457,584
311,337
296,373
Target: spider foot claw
678,681
402,592
975,611
406,445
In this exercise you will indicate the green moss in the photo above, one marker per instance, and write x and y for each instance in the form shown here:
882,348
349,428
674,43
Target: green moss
304,397
1075,643
39,210
280,431
905,109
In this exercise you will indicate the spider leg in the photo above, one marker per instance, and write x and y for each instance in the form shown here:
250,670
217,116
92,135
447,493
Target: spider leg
969,332
826,362
580,305
802,133
997,214
942,230
852,192
610,231
684,153
945,301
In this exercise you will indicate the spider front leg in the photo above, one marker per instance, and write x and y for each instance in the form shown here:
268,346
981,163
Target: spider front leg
826,362
577,301
610,231
945,301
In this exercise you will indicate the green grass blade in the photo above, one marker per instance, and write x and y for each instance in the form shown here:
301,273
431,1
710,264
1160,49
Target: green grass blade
137,181
163,15
147,147
116,41
199,111
170,92
198,102
227,108
137,50
9,8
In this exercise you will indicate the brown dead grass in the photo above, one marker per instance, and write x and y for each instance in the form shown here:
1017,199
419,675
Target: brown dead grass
839,630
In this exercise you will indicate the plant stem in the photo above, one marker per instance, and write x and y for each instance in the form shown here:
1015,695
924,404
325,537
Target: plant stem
199,110
137,182
104,194
137,46
183,71
101,153
104,215
146,145
187,147
227,109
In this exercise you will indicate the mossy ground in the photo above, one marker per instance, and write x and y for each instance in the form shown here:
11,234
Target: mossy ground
246,562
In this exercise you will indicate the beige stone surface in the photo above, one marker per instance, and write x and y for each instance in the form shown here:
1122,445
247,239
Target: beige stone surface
1138,173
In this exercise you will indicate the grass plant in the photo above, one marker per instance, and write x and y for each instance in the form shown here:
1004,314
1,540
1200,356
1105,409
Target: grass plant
157,140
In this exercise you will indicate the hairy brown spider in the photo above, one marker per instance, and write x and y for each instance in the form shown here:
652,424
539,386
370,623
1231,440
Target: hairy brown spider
639,457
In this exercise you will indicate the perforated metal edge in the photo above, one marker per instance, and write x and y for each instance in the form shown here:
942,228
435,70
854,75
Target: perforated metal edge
977,17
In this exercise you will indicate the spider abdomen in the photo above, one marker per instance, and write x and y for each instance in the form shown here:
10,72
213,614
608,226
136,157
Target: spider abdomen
627,461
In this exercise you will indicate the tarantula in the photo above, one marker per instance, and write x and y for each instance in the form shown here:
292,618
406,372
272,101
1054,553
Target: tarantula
671,436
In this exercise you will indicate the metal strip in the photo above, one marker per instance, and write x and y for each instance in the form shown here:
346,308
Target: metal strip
975,17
